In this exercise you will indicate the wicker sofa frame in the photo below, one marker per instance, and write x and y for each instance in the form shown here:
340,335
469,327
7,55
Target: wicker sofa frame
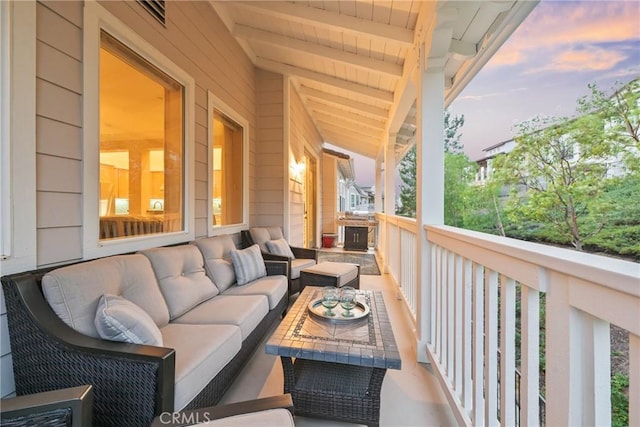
132,383
298,252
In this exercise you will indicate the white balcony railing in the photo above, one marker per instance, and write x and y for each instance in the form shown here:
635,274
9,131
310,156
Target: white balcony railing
485,291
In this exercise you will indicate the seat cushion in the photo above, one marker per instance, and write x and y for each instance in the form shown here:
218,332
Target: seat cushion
118,319
271,417
280,247
300,264
180,273
201,353
273,287
245,311
248,264
73,291
216,252
343,271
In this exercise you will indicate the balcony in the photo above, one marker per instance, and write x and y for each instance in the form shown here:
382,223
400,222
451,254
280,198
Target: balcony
503,283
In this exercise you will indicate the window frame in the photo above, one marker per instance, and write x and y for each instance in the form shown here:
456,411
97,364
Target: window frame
96,18
215,103
18,244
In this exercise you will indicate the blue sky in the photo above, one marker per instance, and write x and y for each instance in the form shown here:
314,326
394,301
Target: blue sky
546,65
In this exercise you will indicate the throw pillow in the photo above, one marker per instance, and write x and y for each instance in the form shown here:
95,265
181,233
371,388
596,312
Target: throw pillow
280,247
248,264
118,319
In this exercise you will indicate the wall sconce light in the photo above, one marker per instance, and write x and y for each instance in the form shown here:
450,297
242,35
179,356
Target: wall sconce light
297,169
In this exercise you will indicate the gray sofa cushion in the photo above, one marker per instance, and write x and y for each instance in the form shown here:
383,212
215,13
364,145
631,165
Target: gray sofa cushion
201,352
279,417
118,319
243,311
73,292
273,287
180,273
216,252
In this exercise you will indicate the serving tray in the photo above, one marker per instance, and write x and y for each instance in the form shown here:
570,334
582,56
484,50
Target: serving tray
360,311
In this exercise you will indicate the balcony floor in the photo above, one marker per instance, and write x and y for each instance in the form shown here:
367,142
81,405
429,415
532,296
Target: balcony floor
410,397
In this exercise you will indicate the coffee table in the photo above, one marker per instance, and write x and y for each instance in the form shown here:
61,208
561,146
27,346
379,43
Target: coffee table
339,365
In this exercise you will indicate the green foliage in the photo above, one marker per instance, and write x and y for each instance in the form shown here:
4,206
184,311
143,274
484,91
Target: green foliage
562,165
408,188
619,400
407,170
458,172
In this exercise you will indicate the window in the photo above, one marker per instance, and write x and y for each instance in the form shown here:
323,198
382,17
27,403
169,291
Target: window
138,137
18,225
228,154
141,145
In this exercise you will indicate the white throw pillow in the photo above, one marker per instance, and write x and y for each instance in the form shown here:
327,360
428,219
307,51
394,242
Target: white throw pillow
118,319
280,247
248,264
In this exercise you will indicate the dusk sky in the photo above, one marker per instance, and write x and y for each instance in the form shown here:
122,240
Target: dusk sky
543,69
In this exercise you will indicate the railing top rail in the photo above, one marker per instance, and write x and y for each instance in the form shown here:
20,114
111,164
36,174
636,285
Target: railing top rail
623,276
402,221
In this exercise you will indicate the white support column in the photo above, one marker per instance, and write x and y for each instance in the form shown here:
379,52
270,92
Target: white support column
389,192
379,179
429,185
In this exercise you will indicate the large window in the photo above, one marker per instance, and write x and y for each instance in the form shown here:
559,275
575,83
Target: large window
138,130
18,224
141,145
228,145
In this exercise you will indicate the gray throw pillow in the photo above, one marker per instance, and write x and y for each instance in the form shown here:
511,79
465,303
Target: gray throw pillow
118,319
222,272
248,264
280,247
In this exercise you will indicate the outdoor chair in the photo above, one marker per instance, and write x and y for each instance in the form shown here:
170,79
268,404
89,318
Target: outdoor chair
274,247
68,407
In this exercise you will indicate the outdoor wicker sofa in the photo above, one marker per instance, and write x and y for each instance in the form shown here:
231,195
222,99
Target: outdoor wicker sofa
133,383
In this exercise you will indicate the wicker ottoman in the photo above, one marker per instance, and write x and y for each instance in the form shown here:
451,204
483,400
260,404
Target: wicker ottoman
336,274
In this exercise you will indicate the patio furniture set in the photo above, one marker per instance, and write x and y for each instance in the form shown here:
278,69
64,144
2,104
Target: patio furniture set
170,328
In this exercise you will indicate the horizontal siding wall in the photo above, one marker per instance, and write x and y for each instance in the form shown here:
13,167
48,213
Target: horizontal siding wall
303,134
268,159
194,38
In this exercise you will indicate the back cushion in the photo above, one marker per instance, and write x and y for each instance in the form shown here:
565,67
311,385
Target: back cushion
180,273
217,259
73,292
261,235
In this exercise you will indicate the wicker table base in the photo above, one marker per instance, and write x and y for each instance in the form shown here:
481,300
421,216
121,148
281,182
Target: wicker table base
334,391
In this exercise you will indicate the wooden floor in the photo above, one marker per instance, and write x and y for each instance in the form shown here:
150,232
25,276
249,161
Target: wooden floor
410,396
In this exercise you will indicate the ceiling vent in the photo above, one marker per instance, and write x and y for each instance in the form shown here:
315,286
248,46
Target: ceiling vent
155,8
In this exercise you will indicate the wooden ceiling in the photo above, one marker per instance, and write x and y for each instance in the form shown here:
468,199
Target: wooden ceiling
354,62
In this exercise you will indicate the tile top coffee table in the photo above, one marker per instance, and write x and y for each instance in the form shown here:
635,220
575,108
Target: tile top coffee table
339,365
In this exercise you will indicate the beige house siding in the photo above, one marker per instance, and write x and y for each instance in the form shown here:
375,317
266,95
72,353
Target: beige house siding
302,134
268,160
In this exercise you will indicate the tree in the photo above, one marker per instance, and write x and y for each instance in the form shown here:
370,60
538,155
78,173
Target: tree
562,165
407,171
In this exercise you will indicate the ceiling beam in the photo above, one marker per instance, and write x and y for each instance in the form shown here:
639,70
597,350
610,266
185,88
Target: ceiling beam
462,50
332,21
349,143
345,115
347,128
312,49
350,104
369,92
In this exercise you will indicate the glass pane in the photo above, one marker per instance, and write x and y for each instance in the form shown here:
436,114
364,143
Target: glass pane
141,145
227,170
